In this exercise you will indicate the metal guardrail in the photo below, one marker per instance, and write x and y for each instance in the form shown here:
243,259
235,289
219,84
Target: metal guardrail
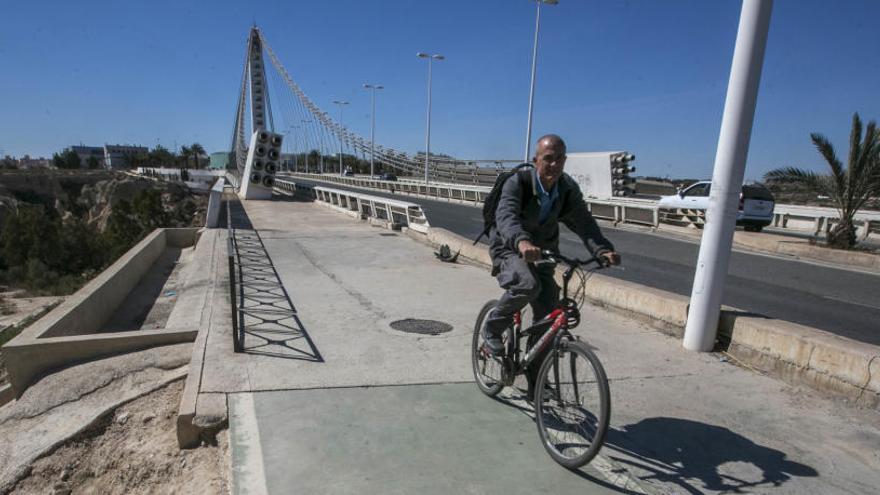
818,219
617,210
457,192
393,211
638,211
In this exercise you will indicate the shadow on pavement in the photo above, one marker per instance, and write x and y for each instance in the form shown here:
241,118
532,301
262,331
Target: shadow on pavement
694,456
699,457
266,314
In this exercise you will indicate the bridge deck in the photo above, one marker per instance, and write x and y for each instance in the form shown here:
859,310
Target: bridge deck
361,408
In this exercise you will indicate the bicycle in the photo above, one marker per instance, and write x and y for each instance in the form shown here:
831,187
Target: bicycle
561,391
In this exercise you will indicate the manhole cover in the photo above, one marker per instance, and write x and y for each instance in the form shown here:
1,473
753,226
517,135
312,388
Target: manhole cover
424,327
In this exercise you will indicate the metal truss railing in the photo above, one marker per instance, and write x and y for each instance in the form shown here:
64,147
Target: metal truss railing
265,321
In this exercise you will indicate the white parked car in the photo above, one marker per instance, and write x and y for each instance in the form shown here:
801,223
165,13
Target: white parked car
756,203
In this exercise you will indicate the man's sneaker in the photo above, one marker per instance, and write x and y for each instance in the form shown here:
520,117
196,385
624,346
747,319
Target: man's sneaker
492,342
549,394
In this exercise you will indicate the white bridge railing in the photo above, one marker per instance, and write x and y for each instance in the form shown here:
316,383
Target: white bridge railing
626,210
818,219
393,211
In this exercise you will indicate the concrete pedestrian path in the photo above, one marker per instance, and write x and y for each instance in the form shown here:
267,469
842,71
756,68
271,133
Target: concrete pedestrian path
343,403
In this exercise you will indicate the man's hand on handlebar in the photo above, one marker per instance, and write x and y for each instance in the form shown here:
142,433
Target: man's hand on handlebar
529,251
533,254
610,258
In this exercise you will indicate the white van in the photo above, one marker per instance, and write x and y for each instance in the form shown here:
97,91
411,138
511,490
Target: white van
756,203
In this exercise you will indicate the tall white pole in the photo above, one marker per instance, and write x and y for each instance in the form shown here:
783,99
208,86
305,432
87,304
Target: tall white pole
430,58
428,129
339,136
532,84
372,131
306,143
295,150
322,133
730,161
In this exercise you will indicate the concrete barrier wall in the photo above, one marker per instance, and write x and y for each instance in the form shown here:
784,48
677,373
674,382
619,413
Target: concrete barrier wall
89,308
182,237
212,218
66,334
796,353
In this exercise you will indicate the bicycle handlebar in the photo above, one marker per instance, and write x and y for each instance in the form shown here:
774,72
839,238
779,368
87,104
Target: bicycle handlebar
549,256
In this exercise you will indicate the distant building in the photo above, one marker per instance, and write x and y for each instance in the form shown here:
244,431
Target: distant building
86,152
27,162
220,160
118,156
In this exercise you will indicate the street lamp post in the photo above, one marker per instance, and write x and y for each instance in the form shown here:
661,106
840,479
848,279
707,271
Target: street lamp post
295,147
341,104
320,135
372,123
306,143
428,127
534,70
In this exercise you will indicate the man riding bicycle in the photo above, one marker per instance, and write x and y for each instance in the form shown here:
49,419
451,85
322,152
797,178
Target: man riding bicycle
529,210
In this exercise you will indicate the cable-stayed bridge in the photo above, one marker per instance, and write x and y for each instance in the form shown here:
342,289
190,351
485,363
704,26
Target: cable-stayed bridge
270,99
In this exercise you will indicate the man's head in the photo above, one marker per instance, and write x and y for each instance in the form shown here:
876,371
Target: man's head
549,159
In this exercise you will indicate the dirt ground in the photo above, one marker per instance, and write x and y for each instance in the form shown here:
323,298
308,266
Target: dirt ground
132,451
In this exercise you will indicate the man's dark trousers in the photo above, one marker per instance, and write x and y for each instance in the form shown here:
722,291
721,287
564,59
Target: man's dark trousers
524,283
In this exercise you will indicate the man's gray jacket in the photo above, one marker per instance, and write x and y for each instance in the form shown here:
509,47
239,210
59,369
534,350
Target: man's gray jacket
515,221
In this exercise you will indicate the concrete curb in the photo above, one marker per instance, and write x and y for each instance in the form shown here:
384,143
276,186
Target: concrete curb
208,273
808,356
796,353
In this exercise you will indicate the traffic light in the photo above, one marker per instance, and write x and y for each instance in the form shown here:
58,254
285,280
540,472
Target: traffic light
621,182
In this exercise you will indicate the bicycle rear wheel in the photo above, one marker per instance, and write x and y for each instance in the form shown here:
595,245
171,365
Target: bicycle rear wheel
487,368
572,404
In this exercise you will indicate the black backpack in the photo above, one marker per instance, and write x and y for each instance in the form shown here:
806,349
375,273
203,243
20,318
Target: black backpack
490,205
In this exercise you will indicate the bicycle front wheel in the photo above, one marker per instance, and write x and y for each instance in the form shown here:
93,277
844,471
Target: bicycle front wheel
487,368
572,404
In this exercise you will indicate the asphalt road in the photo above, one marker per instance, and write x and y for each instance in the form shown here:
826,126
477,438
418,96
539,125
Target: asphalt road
843,302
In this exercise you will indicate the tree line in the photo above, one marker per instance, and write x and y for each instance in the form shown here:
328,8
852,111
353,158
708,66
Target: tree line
45,253
192,156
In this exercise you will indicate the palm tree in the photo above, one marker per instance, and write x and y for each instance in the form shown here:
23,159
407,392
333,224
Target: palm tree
185,152
851,187
197,151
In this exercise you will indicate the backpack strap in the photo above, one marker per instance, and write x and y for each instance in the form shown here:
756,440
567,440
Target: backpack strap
526,176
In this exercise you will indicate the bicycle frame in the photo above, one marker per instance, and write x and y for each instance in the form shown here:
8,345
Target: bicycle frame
557,321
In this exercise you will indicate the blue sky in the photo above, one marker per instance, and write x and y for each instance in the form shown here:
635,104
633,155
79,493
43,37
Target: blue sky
647,76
